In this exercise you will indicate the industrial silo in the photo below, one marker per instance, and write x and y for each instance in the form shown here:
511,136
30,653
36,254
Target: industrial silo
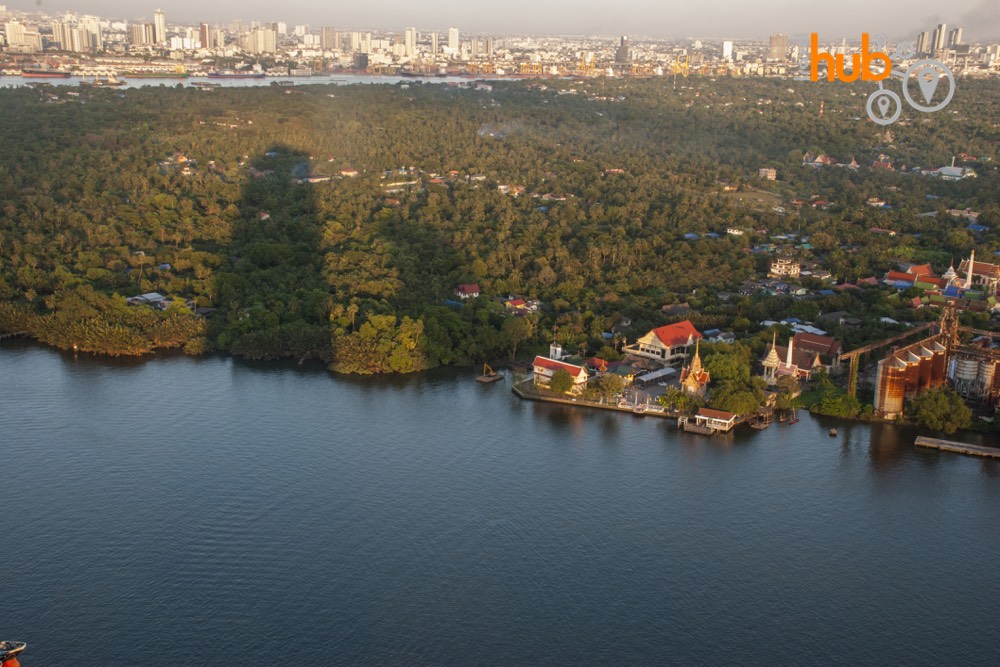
891,387
939,365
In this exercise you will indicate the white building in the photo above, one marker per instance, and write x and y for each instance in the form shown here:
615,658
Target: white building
668,344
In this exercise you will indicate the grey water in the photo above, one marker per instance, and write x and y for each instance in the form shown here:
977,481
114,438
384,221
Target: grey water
214,512
173,82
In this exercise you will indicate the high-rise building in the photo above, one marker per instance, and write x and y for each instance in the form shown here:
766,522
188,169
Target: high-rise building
489,48
82,38
624,55
205,36
453,39
94,30
923,43
409,42
141,34
434,43
22,38
159,27
727,50
330,39
955,37
282,28
778,47
940,35
62,34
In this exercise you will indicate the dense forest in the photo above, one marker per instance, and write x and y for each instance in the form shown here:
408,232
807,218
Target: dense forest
239,205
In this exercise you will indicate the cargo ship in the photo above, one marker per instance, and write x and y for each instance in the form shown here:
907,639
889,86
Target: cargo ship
229,74
8,653
38,73
156,75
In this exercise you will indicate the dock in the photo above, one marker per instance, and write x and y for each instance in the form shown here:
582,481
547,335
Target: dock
650,411
957,447
17,334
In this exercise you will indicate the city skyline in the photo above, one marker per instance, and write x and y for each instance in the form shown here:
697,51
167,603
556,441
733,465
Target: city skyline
715,19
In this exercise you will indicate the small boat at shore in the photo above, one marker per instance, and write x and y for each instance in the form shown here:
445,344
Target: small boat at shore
9,651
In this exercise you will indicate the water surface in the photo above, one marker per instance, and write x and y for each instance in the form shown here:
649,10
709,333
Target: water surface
209,511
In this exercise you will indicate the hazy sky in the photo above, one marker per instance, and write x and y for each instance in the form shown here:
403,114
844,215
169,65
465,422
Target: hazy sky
656,18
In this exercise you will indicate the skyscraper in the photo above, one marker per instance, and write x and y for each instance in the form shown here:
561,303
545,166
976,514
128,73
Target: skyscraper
453,39
940,35
624,55
434,43
409,42
727,50
778,47
955,37
923,43
205,36
159,27
330,39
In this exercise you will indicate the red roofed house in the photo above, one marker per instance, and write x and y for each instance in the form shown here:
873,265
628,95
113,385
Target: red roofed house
900,277
920,270
667,344
516,304
716,420
467,291
827,347
545,368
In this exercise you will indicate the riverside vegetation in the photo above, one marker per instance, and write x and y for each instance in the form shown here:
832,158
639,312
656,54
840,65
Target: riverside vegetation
197,195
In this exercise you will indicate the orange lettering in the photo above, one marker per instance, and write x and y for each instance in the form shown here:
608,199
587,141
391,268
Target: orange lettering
861,64
866,59
814,59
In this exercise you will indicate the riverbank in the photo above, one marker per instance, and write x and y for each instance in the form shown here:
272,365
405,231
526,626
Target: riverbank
523,390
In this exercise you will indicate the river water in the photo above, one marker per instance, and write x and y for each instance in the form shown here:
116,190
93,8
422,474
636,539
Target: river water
215,512
170,82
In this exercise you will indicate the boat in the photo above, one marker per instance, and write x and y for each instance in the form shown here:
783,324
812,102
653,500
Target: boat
106,82
39,73
489,375
206,84
230,74
639,409
9,651
833,433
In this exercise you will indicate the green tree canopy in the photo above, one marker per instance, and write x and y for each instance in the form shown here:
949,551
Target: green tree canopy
941,410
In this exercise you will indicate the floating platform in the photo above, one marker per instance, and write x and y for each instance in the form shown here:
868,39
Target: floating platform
489,378
957,447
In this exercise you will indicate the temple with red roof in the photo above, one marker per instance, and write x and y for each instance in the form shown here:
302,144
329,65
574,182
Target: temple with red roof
668,344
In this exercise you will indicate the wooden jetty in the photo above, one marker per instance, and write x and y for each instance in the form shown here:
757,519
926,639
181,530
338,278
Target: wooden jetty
17,334
957,447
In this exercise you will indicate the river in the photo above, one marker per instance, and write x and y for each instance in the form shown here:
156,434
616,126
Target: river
216,512
170,82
